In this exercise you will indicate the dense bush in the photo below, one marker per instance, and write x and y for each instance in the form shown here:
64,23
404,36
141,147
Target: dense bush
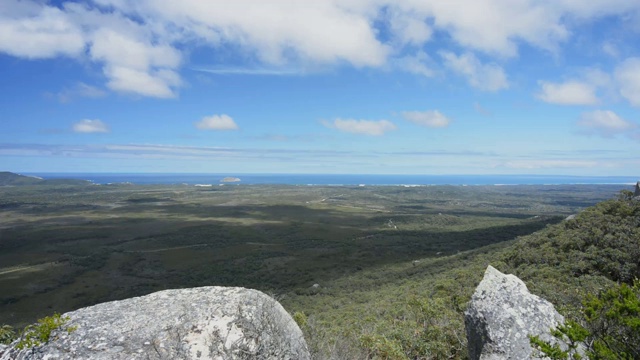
611,327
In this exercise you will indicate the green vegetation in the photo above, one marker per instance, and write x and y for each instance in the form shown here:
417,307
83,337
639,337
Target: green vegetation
378,307
611,330
7,334
394,266
40,333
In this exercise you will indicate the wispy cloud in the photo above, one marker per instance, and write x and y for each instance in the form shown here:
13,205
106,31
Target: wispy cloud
429,118
363,127
605,123
419,64
487,77
550,164
80,90
481,109
249,71
627,75
90,126
161,151
217,122
568,93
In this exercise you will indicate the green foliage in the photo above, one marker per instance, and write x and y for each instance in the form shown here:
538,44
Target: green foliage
7,334
613,318
553,351
602,242
375,302
421,328
300,319
612,329
40,333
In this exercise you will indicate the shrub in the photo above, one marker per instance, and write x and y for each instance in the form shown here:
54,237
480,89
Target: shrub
40,333
7,334
611,330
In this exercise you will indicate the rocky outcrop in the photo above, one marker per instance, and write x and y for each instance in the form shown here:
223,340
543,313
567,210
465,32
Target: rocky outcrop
637,191
198,323
501,316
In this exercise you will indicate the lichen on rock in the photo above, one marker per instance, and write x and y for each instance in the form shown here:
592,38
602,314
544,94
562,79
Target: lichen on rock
501,316
197,323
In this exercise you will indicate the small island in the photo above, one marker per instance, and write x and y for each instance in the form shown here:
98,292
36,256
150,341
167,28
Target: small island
229,179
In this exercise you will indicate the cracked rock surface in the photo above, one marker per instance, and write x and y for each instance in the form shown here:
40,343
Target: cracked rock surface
501,316
198,323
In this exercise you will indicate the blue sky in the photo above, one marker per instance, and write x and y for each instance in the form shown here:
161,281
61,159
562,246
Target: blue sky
352,86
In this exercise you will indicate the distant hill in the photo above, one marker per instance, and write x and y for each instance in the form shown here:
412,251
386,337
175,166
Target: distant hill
12,179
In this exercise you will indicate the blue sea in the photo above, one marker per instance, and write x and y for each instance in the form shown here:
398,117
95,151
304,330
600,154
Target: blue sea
339,179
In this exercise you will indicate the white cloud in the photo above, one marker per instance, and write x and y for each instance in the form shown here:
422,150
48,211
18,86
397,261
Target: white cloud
473,24
488,77
627,76
136,66
408,27
429,118
42,32
568,93
275,31
141,44
364,127
90,126
604,123
416,64
155,84
217,122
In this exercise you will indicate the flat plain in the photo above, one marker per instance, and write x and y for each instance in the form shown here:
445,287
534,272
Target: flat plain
65,247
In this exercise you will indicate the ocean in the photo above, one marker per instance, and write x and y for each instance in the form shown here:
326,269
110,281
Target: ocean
339,179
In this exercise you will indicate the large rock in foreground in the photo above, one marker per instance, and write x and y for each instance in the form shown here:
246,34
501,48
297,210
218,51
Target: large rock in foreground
198,323
501,316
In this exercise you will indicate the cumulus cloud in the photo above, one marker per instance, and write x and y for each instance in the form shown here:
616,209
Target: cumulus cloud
472,24
429,118
364,127
627,76
487,77
604,123
568,93
217,122
90,126
275,31
40,32
408,27
136,66
141,45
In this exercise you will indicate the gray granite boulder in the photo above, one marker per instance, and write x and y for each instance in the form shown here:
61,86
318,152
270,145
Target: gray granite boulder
198,323
501,316
637,189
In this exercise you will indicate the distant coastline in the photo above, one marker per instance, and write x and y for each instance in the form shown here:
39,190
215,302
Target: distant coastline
341,179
